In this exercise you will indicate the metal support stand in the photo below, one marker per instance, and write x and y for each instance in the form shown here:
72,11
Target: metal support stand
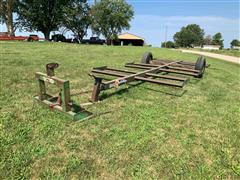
96,88
62,102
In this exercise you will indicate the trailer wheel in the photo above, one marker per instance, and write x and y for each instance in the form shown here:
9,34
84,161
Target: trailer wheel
55,39
147,57
30,39
200,65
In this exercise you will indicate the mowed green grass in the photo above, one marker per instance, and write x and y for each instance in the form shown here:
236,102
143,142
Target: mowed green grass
151,131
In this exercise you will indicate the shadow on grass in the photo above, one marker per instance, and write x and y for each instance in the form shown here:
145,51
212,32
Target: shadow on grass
119,92
178,92
214,68
194,81
125,90
94,115
83,92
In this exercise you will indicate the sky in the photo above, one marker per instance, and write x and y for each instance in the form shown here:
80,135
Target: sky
157,20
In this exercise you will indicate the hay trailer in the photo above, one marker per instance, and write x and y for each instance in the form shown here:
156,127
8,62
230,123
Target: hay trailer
157,71
148,70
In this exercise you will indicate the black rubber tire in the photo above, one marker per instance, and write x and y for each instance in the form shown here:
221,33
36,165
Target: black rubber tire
30,39
55,39
200,65
146,58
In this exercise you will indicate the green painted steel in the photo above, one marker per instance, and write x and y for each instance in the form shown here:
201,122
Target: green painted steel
66,106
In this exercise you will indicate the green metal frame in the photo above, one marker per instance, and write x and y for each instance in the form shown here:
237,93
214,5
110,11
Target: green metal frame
75,112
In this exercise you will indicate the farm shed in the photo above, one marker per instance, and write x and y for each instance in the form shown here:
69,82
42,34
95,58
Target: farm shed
126,39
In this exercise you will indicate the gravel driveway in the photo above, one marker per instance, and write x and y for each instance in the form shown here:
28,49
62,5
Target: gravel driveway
214,55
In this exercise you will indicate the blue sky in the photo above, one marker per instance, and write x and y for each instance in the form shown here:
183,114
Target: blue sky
152,17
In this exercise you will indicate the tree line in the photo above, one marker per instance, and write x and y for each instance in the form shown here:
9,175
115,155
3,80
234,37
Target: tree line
193,35
104,17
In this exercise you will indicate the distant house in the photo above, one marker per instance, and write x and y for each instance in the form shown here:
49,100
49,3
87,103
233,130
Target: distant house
3,33
236,47
197,47
211,47
126,39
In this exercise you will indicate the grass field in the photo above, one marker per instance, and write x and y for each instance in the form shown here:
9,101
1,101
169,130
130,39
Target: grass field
152,131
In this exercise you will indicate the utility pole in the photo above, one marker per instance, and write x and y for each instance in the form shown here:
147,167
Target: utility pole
166,33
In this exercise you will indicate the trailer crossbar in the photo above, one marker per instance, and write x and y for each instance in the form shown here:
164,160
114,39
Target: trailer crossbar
184,69
131,65
136,65
178,72
107,72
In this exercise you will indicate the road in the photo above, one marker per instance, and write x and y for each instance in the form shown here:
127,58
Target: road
214,55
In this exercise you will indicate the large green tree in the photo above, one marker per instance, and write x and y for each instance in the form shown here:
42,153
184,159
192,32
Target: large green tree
41,15
7,7
76,17
217,39
110,17
191,35
235,42
168,44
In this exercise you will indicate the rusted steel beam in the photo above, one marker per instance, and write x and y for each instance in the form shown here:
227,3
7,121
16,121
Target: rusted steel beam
96,89
120,70
184,69
131,65
148,66
168,61
111,73
113,69
178,72
173,66
158,81
167,77
145,65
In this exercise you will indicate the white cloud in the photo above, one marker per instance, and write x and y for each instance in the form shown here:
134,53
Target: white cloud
153,27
